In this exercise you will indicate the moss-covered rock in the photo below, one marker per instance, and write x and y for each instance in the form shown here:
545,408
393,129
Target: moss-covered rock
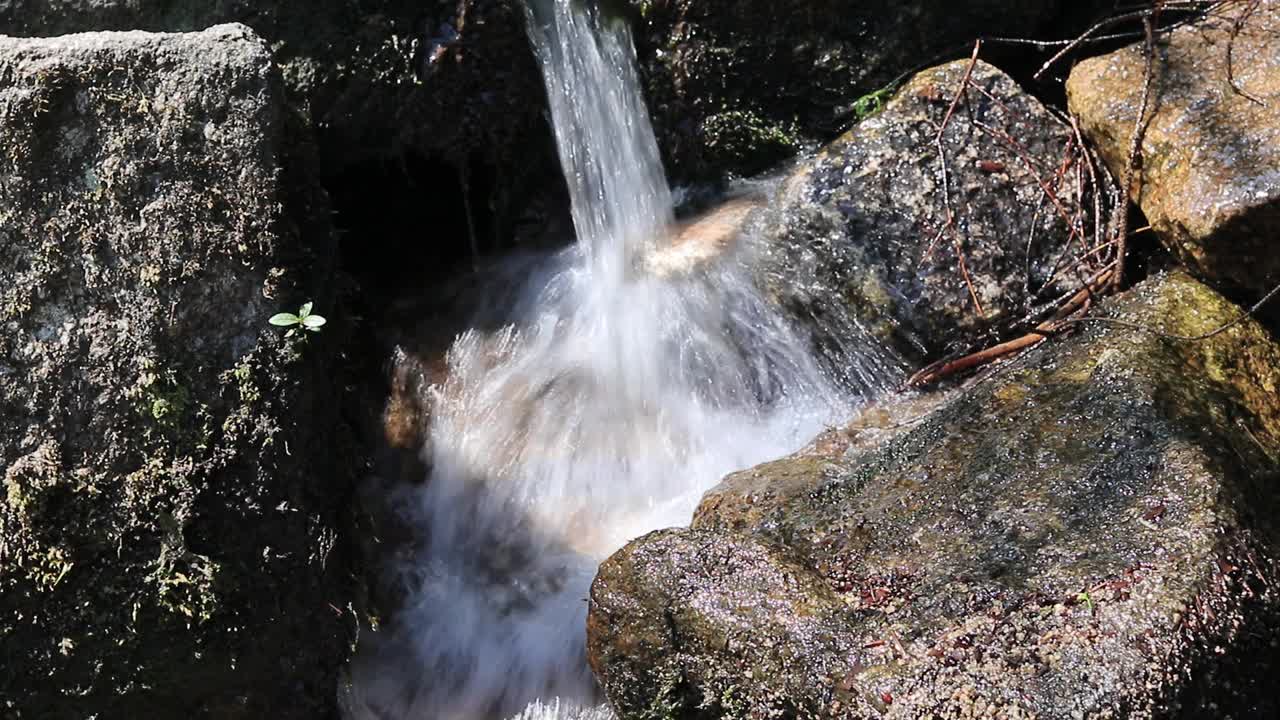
1210,154
1091,533
935,254
172,484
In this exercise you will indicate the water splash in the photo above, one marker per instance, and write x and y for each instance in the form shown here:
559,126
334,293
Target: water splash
608,399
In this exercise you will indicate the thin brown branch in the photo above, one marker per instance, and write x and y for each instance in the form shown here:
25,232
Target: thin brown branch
1250,312
464,179
1236,26
1093,181
968,281
1027,254
1198,8
944,369
1084,37
1135,147
964,85
936,372
949,225
1026,160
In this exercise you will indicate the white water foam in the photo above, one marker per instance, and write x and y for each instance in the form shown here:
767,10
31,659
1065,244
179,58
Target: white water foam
606,402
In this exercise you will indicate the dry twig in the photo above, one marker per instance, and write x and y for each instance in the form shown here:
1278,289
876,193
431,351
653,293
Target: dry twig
1250,312
949,223
1236,26
1135,147
944,369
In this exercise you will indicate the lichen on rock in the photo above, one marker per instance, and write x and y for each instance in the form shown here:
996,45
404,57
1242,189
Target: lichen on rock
171,486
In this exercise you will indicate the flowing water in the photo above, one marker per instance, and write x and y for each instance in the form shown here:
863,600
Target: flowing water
605,402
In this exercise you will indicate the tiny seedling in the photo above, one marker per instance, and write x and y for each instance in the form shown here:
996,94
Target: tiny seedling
305,320
872,103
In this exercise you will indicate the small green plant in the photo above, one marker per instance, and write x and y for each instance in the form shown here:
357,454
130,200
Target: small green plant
872,103
305,320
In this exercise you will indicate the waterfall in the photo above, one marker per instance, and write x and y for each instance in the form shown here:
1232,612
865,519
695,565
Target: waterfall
619,196
600,405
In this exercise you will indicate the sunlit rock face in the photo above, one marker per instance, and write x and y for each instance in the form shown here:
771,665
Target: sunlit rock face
1091,532
1209,165
695,243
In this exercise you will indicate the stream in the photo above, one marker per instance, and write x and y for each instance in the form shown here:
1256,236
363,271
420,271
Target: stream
597,406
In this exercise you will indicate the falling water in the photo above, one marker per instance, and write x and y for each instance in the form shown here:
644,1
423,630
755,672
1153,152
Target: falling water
606,402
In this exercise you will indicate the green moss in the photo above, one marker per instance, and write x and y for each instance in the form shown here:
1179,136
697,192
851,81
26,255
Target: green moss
745,140
668,702
733,703
49,568
185,584
250,417
872,103
160,397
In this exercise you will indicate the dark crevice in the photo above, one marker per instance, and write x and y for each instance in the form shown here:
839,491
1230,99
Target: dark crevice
403,223
412,230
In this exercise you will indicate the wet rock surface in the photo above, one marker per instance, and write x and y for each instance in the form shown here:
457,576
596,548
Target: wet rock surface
1089,533
1210,154
174,468
740,86
936,244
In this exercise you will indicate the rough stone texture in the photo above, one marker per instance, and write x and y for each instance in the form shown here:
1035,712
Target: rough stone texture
1089,534
442,96
376,76
859,233
170,462
1210,162
741,85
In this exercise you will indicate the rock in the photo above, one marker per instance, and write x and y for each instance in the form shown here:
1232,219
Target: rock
1210,157
453,85
174,468
693,244
734,607
740,86
1090,533
860,235
375,77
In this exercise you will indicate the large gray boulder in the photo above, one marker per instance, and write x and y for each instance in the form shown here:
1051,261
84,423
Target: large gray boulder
1091,533
937,245
1209,167
172,465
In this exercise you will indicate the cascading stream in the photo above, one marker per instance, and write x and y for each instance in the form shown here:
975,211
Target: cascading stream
608,401
620,201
